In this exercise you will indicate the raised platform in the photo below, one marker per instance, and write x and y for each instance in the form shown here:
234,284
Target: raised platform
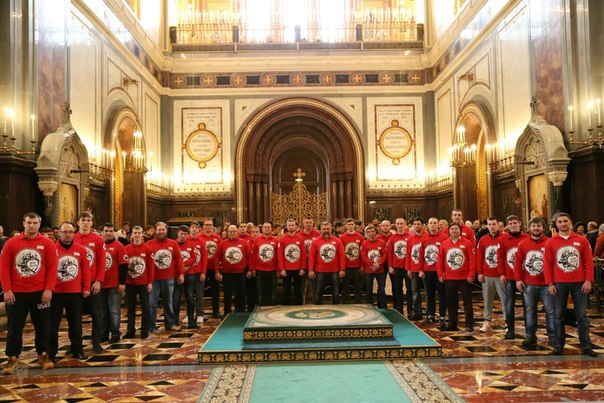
227,344
272,323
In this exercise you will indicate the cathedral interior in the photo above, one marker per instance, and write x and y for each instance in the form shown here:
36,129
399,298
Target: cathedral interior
256,110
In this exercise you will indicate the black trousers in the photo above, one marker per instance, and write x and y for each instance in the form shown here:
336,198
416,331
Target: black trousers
27,302
214,290
132,291
432,285
454,287
322,280
293,277
397,279
97,311
353,277
250,293
72,303
234,284
266,286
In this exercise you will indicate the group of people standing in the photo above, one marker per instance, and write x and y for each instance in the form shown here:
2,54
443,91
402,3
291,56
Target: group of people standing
45,278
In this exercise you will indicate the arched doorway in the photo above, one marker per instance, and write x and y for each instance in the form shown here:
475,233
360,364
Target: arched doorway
128,187
471,192
299,133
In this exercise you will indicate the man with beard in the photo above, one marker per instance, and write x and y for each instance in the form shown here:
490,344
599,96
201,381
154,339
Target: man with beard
97,259
569,269
373,254
114,285
211,240
292,263
327,263
28,269
414,265
489,272
352,241
507,256
397,252
141,276
428,251
264,265
233,256
73,284
169,271
530,281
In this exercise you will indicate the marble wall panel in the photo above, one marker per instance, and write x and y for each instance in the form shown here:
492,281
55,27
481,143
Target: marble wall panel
244,110
352,107
444,123
151,129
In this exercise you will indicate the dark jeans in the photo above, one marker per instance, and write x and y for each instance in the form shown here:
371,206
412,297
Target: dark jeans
176,297
353,278
194,296
132,290
112,305
510,302
72,303
97,312
323,279
580,304
416,293
397,279
266,285
532,294
293,277
214,287
381,282
454,287
27,302
432,285
165,288
234,283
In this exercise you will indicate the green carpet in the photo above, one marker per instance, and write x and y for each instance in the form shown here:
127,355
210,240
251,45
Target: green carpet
368,381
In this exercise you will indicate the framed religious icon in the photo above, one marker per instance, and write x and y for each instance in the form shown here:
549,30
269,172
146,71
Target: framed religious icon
538,197
68,202
201,145
395,142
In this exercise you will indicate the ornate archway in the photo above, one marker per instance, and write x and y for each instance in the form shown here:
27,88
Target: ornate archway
281,130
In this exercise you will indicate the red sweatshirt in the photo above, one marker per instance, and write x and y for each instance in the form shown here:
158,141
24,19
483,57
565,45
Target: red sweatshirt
248,238
211,242
374,252
201,256
140,265
166,258
95,246
116,256
528,264
188,254
264,253
568,260
488,262
233,255
73,274
466,232
456,259
308,238
291,252
430,248
413,260
28,265
397,250
507,253
326,255
352,248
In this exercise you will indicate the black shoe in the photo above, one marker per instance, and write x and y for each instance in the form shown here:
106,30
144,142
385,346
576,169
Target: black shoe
590,352
429,319
417,317
53,357
97,348
558,351
193,326
104,339
470,328
442,325
509,335
144,335
216,315
529,341
80,355
114,339
129,335
451,328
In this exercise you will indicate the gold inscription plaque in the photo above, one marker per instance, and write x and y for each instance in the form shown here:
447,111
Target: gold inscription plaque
395,142
201,145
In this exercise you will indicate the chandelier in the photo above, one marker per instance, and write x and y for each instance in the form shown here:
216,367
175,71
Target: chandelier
461,154
592,139
134,161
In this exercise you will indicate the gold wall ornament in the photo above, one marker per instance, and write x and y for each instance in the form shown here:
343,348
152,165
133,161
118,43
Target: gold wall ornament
395,142
299,203
201,145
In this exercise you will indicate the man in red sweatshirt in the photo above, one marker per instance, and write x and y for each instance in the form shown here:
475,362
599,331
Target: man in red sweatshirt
28,269
212,240
141,275
456,267
73,284
374,254
397,252
507,256
233,256
428,251
97,258
530,281
490,270
195,279
291,255
327,263
169,271
114,284
189,252
245,234
352,241
309,233
466,232
569,269
414,265
264,265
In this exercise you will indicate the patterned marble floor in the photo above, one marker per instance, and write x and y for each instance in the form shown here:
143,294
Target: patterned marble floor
480,367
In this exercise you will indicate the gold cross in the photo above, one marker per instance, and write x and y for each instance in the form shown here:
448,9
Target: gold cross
327,78
268,79
178,81
297,79
238,80
415,78
357,78
208,80
299,174
386,78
